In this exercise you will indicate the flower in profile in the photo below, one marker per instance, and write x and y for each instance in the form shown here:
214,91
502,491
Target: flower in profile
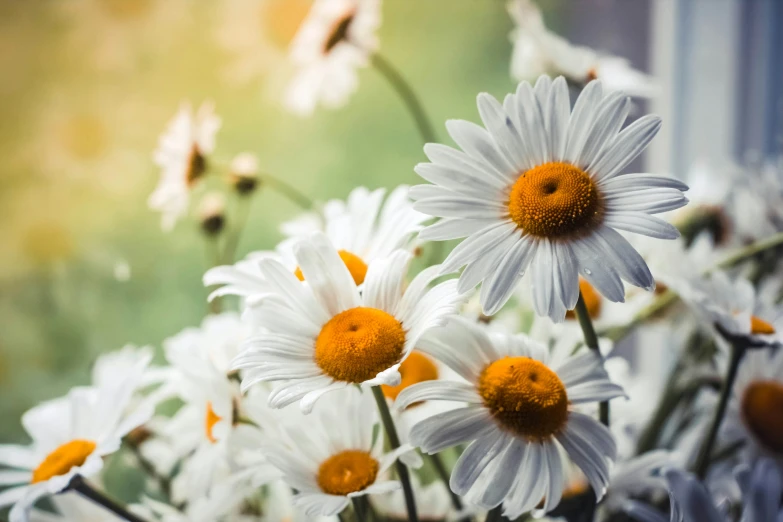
541,190
519,417
324,335
335,459
71,435
182,157
362,228
243,173
537,51
336,39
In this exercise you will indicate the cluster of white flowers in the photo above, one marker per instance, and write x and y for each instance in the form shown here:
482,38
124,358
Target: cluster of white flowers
544,366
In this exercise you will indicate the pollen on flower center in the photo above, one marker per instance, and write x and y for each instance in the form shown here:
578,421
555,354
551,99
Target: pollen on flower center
210,420
339,31
760,326
555,200
347,472
415,369
593,300
525,397
356,267
762,409
357,344
66,457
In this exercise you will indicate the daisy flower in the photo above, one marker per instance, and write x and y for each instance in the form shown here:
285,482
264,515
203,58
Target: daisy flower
539,51
324,335
182,157
363,228
519,418
221,503
334,41
541,190
335,459
71,435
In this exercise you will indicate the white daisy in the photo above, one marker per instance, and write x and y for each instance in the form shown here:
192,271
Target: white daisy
71,435
336,39
539,51
518,419
541,189
182,157
335,459
433,502
363,228
324,335
222,503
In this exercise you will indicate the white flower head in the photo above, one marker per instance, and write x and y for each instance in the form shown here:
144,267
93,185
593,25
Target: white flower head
71,435
335,40
541,191
182,157
518,420
323,335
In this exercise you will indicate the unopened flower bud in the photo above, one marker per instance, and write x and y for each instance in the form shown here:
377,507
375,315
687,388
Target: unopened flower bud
212,213
244,173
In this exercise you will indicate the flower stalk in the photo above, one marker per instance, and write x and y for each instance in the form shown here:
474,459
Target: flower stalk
79,485
591,341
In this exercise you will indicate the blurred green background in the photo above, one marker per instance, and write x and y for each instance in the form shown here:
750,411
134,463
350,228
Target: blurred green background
88,85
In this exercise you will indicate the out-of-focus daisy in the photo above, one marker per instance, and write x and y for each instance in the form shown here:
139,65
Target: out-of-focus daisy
731,306
70,507
363,228
324,335
541,190
519,416
755,204
637,476
182,157
433,502
539,51
336,39
223,503
243,172
71,435
755,412
335,460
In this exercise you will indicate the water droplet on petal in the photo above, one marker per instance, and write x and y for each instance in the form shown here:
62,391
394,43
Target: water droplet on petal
588,271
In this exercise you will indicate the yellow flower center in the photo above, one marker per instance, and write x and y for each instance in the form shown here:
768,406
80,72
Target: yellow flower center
525,397
347,472
356,267
555,200
357,344
760,326
197,166
592,299
85,136
63,459
416,368
210,420
127,9
339,31
762,409
280,19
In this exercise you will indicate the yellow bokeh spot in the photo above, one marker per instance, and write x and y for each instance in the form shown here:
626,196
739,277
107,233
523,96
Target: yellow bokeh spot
356,267
47,242
762,410
415,369
357,344
281,19
347,472
127,9
760,326
525,397
85,136
66,457
593,300
210,420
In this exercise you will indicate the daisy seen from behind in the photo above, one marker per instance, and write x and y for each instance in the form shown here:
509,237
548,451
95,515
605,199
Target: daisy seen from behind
182,157
519,416
540,190
70,437
322,335
334,41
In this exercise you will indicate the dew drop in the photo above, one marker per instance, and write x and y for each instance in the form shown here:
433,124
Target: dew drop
588,271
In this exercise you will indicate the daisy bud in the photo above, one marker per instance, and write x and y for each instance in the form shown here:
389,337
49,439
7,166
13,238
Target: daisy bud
212,213
244,173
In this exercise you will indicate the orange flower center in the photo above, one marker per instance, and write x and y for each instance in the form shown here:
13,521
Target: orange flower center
416,368
63,459
347,472
762,409
555,200
525,397
356,267
760,326
357,344
592,298
210,420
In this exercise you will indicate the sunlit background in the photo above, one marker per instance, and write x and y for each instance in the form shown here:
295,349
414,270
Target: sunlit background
88,85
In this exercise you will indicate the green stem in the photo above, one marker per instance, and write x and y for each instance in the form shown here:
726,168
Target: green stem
164,483
703,460
394,441
751,250
213,260
79,485
408,95
359,509
443,473
591,340
232,241
284,189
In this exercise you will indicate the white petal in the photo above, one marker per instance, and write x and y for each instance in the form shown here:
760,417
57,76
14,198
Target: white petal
475,458
609,118
582,120
497,290
625,147
450,428
437,390
640,223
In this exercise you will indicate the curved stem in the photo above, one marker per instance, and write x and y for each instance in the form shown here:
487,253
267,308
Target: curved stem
408,95
79,485
284,189
591,340
443,473
751,250
394,441
703,460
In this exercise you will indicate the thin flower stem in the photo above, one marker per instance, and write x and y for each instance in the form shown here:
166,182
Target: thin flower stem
703,460
213,260
394,441
408,95
591,340
751,250
495,514
234,235
79,485
164,483
359,509
284,189
443,473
